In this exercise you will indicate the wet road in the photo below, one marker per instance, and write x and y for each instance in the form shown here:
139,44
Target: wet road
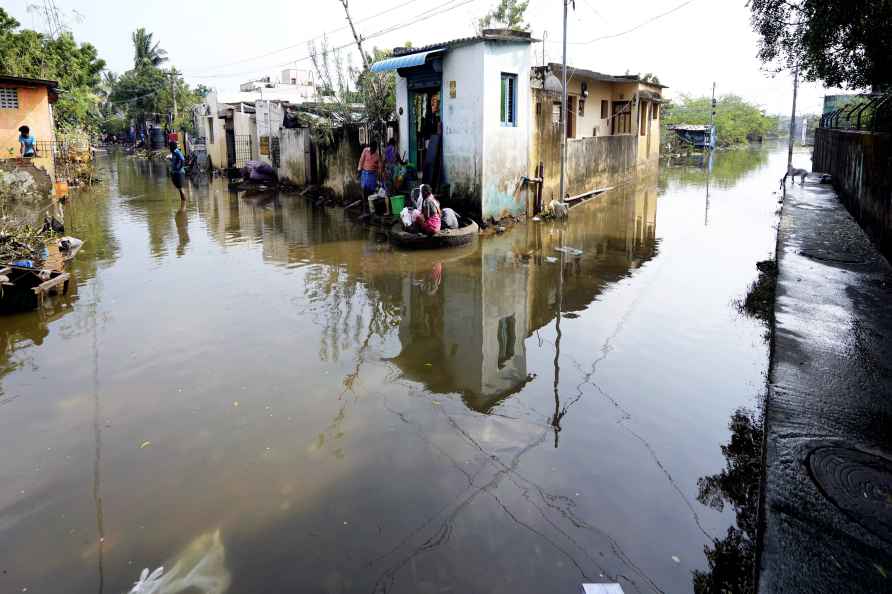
263,397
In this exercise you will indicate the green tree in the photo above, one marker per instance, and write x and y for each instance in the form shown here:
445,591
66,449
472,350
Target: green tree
844,43
736,120
148,92
77,68
144,52
508,14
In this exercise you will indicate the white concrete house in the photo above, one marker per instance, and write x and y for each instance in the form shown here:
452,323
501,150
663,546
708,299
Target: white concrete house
469,96
500,121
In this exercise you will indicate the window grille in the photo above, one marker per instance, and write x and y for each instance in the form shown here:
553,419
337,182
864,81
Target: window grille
9,98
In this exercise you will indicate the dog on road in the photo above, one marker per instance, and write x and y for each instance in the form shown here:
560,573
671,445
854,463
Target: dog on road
794,173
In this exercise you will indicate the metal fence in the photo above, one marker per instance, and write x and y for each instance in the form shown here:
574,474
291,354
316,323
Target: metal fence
274,151
872,113
239,149
61,151
199,148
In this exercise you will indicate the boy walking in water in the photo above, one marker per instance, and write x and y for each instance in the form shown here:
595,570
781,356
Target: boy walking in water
177,169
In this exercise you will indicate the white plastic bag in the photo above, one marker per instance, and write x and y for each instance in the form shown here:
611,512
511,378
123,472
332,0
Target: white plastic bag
450,219
406,217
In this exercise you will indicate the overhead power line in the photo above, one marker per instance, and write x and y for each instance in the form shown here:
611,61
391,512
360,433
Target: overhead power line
306,41
632,29
436,11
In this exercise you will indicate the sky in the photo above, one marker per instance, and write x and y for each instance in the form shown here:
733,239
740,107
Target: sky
689,44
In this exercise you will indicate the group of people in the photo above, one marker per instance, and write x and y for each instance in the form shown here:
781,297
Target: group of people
374,169
423,214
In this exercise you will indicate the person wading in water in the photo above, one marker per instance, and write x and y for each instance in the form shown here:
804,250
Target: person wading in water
177,169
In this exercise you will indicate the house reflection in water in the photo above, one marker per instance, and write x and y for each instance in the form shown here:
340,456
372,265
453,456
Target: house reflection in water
464,325
460,317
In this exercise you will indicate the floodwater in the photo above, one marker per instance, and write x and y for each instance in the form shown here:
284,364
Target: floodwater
263,397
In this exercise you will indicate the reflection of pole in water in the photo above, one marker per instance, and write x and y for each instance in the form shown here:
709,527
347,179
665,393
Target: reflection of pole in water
558,414
708,172
97,435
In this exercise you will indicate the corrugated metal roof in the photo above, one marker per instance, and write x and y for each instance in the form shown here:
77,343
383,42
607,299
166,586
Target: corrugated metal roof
51,85
691,127
488,35
34,82
405,61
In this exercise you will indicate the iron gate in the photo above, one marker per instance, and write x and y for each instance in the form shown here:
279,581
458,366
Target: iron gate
238,149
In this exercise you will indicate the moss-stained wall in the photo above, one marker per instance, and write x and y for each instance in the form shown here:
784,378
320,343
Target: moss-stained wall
338,162
294,148
592,162
861,166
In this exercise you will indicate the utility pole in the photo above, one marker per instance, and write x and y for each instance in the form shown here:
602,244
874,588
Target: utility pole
356,37
564,102
173,90
712,118
793,119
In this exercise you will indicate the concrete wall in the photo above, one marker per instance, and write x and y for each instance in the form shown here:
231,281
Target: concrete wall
861,166
35,112
294,155
338,164
590,123
402,103
505,148
649,143
213,129
268,117
462,124
598,162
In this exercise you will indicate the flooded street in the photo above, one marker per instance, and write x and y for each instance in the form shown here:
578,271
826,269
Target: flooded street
263,397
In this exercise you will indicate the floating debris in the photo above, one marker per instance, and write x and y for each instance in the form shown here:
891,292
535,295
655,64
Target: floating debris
570,251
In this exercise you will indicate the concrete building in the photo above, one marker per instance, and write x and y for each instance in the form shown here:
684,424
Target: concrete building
476,116
460,104
229,131
613,128
28,102
293,86
210,128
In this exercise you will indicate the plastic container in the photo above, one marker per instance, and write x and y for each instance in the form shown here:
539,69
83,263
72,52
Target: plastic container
157,138
397,203
60,189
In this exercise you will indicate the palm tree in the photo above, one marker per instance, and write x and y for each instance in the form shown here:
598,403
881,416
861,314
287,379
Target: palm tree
144,53
107,87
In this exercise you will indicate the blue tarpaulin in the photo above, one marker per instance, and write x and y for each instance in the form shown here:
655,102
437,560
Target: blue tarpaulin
403,61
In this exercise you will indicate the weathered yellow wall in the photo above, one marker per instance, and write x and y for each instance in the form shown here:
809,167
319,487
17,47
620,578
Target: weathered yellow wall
34,112
649,143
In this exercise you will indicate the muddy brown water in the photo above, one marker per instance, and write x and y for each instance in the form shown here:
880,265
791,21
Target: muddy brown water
263,397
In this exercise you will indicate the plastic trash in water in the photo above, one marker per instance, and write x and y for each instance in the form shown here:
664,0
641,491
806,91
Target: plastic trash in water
570,251
23,263
602,589
147,582
551,259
